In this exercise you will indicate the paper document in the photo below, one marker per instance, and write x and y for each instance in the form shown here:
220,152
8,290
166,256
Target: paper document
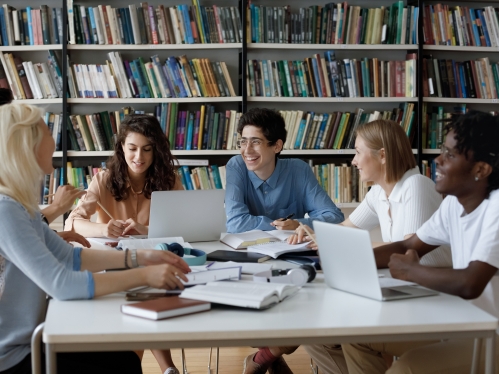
202,277
246,267
275,249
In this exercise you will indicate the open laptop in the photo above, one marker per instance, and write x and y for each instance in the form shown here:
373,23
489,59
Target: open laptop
348,263
196,216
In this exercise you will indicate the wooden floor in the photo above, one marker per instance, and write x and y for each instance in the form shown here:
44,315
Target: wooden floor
231,361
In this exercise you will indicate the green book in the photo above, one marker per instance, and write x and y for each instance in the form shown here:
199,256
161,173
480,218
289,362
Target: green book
214,132
78,26
340,130
108,130
364,14
144,72
173,124
400,20
282,79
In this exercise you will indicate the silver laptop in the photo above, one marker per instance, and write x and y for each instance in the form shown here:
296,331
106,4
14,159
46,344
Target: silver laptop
196,216
347,259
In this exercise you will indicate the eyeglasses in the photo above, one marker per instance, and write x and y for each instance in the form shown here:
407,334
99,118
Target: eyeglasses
444,151
255,143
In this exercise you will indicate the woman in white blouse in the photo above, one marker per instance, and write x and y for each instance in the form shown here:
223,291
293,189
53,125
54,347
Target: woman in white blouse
400,201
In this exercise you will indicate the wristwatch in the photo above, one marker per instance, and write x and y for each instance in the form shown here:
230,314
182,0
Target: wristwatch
44,219
133,255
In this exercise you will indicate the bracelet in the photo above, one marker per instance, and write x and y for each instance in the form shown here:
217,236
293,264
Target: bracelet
44,219
133,255
126,259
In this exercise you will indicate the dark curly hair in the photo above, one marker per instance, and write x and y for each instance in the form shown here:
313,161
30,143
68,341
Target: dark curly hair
477,135
268,120
6,96
160,175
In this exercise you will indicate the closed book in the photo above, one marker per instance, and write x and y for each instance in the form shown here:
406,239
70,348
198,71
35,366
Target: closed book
165,307
235,256
22,77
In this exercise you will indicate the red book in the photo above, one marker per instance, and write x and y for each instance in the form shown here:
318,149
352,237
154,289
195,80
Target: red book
165,307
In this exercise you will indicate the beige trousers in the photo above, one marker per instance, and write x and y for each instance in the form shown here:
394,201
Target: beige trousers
445,357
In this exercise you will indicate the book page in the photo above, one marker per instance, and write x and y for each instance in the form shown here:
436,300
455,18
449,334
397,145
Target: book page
281,234
276,249
280,289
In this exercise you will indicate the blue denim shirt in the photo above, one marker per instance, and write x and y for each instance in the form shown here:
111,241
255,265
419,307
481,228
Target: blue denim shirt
251,203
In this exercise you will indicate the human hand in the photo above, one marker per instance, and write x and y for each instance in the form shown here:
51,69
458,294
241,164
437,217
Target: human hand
401,265
301,236
114,228
285,224
164,276
148,257
134,228
71,236
65,197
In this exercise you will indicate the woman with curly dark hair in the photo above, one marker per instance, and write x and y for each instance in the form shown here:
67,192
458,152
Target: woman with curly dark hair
142,163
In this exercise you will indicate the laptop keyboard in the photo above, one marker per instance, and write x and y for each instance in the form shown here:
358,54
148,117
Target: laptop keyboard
389,292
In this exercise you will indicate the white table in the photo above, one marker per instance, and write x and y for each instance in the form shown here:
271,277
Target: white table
317,314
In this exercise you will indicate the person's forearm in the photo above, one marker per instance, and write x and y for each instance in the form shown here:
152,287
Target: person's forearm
52,212
88,229
97,260
110,282
382,253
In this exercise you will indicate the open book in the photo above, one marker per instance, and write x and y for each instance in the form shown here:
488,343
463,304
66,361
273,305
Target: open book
254,295
148,243
253,237
275,249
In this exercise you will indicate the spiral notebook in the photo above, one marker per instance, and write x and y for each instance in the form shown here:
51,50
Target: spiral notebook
275,249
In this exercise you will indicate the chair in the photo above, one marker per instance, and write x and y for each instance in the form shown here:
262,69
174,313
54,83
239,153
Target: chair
184,361
36,349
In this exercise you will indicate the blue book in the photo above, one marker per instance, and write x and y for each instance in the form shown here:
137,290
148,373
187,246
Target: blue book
484,27
93,26
143,79
162,118
321,131
187,175
456,75
463,80
266,79
190,131
415,29
206,28
216,177
169,80
126,19
187,24
316,76
54,26
162,78
136,77
30,24
257,23
475,28
303,123
5,40
182,178
122,26
131,79
253,23
172,63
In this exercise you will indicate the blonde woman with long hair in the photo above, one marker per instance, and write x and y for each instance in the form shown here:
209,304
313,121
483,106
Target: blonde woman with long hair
35,261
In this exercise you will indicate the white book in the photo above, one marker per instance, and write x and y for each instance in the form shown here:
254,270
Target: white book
55,129
103,24
38,73
8,24
15,21
277,248
175,25
9,73
89,88
98,25
299,116
110,81
253,237
112,25
33,82
79,81
122,83
135,24
71,24
253,295
212,275
232,125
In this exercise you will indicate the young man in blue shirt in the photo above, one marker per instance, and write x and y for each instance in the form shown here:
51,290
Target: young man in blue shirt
262,189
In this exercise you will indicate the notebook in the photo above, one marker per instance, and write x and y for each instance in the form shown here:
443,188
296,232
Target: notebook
275,249
165,307
254,295
196,216
222,255
348,262
245,239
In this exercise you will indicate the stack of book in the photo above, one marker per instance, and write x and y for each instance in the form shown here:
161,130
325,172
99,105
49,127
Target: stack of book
477,79
54,122
461,25
330,77
342,183
29,80
334,24
177,77
311,130
145,24
202,178
429,168
30,26
92,132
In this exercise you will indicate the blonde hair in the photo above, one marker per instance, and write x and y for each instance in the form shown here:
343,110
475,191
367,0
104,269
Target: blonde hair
20,137
390,136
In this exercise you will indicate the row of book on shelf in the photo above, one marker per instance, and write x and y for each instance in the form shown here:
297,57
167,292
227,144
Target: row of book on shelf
328,76
203,177
30,26
28,80
79,177
177,77
146,24
333,24
312,130
186,130
461,25
475,79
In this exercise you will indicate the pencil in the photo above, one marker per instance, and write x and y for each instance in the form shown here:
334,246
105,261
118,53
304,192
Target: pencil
53,194
308,232
105,211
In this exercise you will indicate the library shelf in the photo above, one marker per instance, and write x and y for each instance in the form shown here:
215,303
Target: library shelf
136,47
429,151
39,101
368,47
156,100
30,48
455,48
333,99
459,100
57,154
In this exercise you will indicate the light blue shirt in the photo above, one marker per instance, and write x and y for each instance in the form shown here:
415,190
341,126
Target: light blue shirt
252,204
34,262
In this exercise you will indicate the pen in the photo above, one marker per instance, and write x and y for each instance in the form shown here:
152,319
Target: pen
288,217
308,232
207,266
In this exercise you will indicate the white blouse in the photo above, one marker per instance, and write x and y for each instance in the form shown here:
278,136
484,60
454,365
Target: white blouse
412,202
